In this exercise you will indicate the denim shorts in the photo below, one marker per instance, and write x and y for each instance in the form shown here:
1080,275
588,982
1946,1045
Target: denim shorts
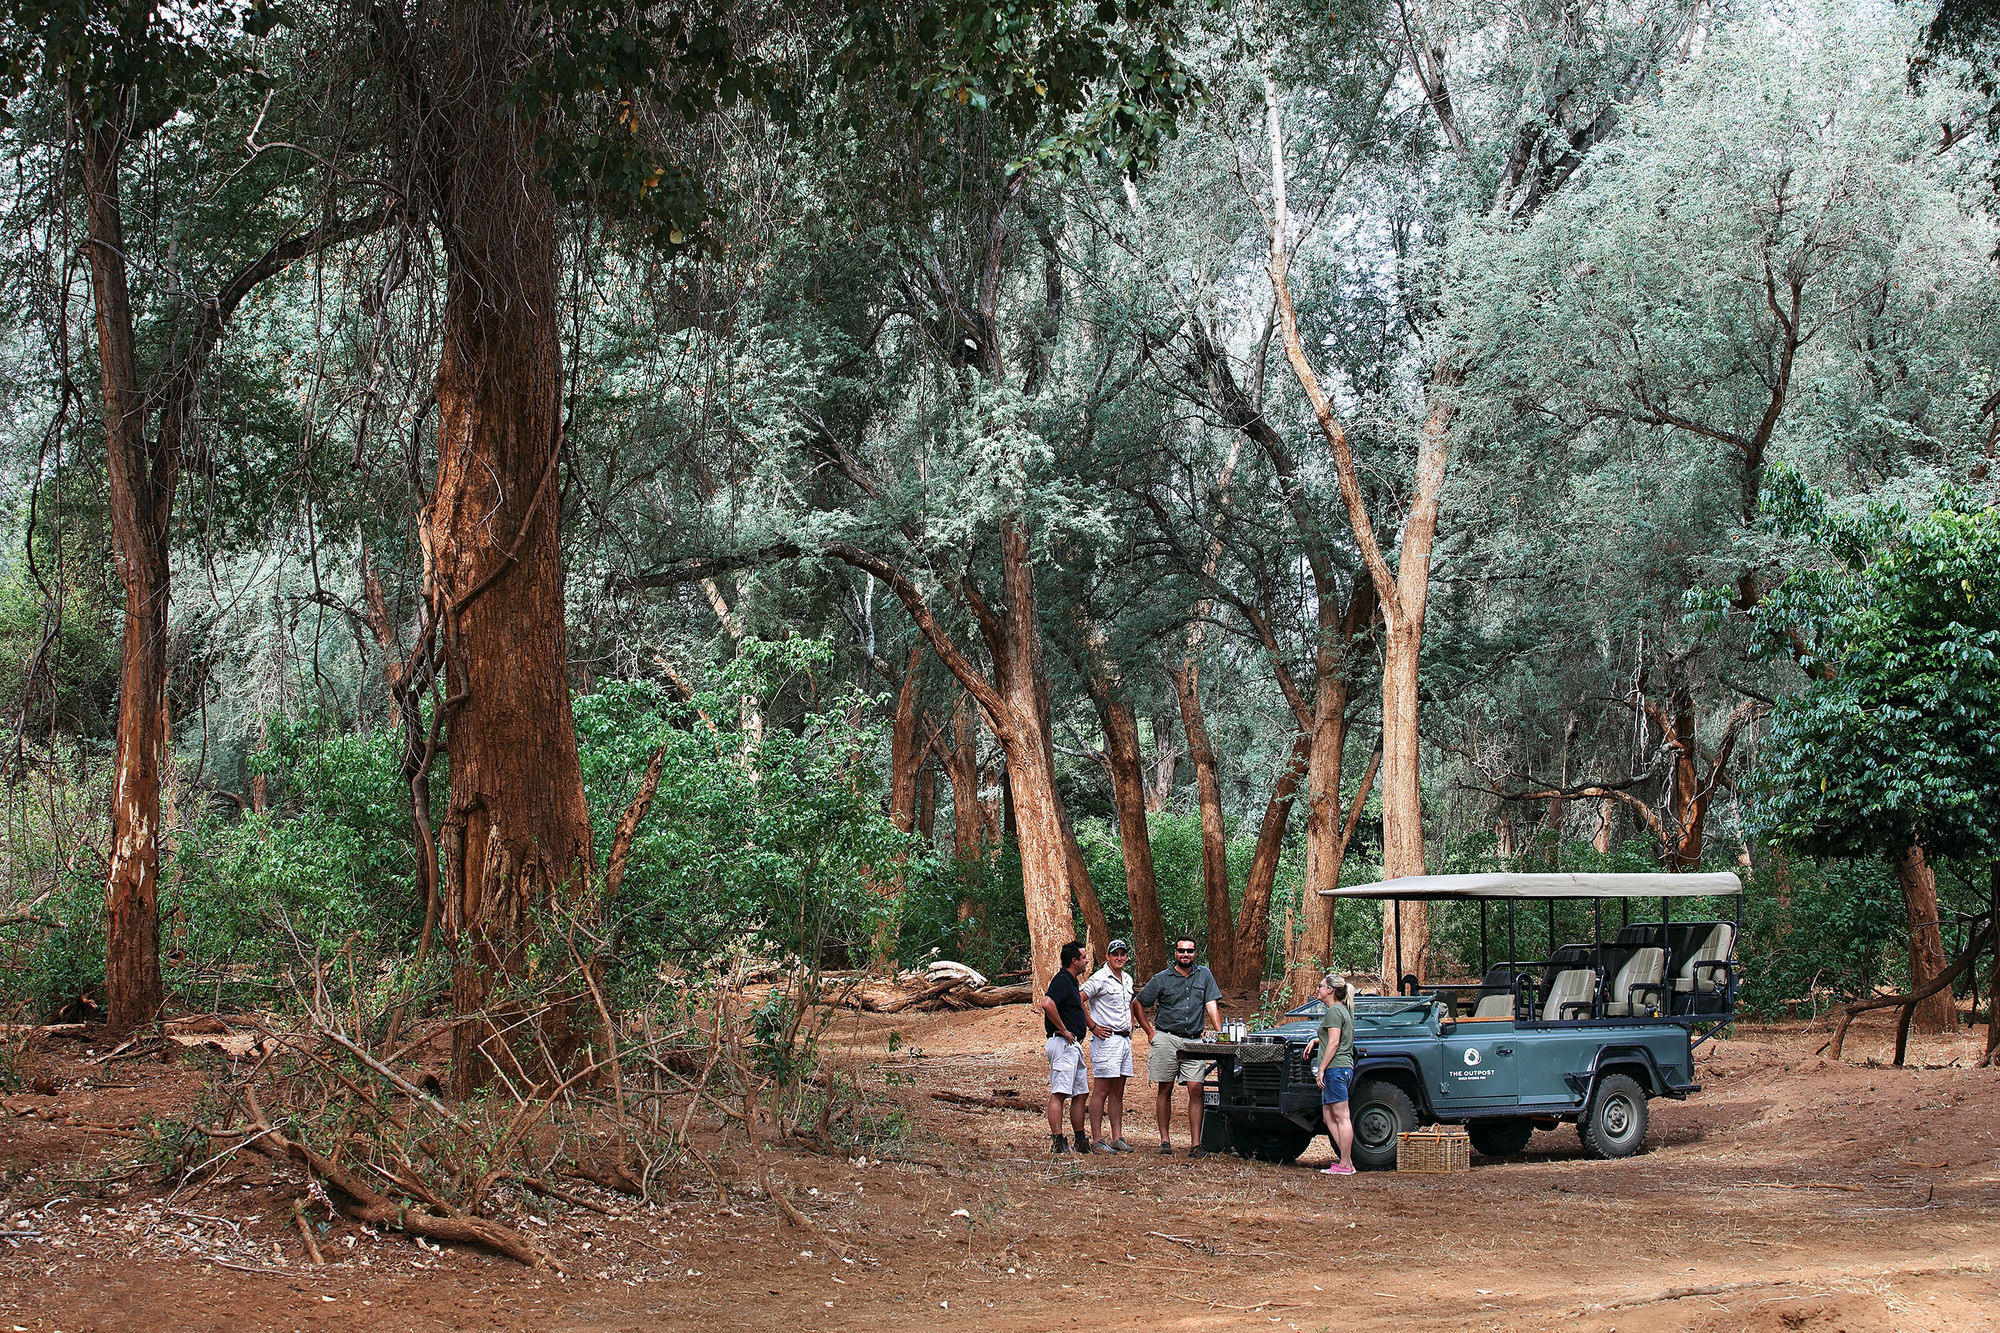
1335,1088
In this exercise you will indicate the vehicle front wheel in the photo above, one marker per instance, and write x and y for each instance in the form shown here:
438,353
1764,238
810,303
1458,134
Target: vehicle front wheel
1270,1140
1500,1138
1614,1124
1381,1111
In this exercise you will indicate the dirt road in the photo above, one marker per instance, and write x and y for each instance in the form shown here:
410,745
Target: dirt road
1789,1194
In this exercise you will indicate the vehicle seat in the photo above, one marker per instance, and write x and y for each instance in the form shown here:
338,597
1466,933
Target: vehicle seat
1644,972
1699,973
1574,991
1564,959
1495,1006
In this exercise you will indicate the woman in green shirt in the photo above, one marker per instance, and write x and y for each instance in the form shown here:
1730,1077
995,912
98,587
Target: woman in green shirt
1334,1069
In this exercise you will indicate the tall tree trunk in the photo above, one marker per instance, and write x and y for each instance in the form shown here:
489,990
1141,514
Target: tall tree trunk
1607,814
1403,591
1015,703
1250,940
516,833
927,801
1128,793
1327,836
968,822
1927,957
905,751
142,479
1208,793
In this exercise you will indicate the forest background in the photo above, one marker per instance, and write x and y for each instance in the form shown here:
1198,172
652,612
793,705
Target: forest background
853,486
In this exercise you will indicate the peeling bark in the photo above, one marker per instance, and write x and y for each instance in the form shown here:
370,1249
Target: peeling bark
516,832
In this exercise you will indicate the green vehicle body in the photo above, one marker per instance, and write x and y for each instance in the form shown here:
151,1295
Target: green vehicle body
1420,1060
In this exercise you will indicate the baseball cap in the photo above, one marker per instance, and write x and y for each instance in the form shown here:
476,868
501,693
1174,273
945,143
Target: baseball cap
1117,946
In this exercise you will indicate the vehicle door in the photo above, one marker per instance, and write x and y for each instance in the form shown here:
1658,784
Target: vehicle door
1478,1069
1555,1064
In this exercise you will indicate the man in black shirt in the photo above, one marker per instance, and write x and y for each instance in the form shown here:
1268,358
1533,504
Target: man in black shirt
1064,1024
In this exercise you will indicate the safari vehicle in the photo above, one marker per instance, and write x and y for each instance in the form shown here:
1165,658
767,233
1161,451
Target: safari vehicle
1588,1035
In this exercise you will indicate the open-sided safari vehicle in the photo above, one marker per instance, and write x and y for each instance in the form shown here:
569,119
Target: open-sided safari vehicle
1587,1035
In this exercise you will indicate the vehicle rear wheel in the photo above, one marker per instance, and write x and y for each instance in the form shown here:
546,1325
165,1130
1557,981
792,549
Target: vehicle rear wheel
1269,1140
1381,1111
1500,1138
1614,1124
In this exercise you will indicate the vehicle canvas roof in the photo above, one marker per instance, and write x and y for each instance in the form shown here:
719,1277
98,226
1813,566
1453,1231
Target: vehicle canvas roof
1719,883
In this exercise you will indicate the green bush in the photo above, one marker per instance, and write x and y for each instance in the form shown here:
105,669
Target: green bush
331,860
773,842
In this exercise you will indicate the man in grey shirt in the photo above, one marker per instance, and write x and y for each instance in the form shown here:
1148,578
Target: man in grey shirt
1183,999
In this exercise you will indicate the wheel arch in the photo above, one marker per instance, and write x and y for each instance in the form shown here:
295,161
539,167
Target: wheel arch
1402,1071
1636,1062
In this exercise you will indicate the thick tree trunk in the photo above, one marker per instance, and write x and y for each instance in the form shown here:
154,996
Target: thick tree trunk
1044,847
1208,793
968,821
1927,957
1607,815
1128,793
1311,945
927,801
1250,940
905,751
1402,801
516,833
142,479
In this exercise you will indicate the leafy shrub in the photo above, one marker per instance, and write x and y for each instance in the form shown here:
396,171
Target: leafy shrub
773,841
332,860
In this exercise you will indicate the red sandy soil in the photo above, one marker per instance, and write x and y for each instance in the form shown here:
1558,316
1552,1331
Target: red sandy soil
1789,1194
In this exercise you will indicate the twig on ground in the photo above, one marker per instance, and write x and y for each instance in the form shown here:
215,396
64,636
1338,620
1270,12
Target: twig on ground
305,1231
1218,1305
563,1196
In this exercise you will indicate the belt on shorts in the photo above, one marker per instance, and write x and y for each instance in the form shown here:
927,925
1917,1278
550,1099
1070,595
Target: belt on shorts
1113,1032
1184,1036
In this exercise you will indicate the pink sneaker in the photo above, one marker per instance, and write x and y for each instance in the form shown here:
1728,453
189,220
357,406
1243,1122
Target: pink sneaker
1338,1169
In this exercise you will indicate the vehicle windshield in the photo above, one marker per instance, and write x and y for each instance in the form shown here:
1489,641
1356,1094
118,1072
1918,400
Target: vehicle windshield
1378,1008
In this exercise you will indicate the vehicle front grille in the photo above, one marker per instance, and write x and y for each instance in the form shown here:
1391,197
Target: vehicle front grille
1260,1083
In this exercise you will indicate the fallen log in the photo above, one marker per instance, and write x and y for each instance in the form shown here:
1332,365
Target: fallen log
1000,1103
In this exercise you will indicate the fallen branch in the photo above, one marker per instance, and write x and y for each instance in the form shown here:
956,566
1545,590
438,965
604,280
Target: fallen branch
989,1103
364,1205
1908,1003
562,1196
305,1231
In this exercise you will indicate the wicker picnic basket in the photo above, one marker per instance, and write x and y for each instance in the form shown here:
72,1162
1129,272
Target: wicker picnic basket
1438,1150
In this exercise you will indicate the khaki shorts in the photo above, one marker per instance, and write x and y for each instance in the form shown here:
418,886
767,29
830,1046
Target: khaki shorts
1165,1064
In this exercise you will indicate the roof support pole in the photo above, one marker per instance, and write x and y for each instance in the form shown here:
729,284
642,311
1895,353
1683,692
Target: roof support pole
1397,983
1513,953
